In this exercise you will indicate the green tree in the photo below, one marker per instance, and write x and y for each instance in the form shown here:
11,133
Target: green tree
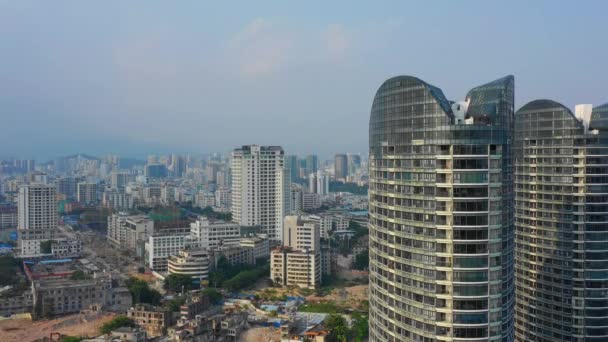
46,246
361,261
360,327
215,297
78,275
338,329
175,304
70,339
142,293
9,270
115,323
178,282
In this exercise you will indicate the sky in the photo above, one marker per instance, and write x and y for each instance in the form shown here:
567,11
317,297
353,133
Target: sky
142,77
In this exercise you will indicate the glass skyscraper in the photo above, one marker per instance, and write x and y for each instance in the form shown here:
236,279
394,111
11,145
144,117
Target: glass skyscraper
561,253
441,213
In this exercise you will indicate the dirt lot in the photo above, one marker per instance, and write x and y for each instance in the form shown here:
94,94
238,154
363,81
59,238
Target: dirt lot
25,330
351,296
261,335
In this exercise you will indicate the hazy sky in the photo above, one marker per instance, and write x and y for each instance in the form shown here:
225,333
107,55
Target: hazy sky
139,77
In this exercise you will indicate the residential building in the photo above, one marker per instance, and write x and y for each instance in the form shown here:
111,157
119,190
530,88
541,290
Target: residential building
311,201
295,199
354,163
312,164
178,165
155,171
194,306
118,179
258,188
8,216
561,222
340,166
258,244
87,193
204,199
66,248
126,230
318,183
291,163
236,255
301,232
223,198
37,222
155,320
60,296
197,263
67,186
441,213
152,195
164,243
295,267
214,233
117,199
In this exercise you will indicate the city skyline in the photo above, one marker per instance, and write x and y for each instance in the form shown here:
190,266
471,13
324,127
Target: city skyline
266,74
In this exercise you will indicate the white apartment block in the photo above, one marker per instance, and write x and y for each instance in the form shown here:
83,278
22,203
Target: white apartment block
295,267
37,217
116,199
197,263
258,188
301,232
152,195
204,199
164,244
125,230
87,192
311,201
167,194
223,198
258,244
211,234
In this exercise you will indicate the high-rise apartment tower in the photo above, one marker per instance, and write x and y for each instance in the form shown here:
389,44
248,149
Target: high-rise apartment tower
441,221
258,188
561,222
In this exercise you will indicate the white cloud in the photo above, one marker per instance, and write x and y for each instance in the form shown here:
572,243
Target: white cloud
260,48
336,40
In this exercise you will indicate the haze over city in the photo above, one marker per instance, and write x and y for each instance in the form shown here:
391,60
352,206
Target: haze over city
279,171
134,78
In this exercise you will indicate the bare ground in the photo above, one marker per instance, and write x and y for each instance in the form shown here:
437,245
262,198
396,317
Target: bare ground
25,330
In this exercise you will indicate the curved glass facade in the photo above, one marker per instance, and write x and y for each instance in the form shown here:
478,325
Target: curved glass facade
441,219
561,253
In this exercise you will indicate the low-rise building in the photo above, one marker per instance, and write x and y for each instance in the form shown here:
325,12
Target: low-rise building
214,233
291,266
87,192
122,334
194,306
125,230
164,243
311,201
259,244
197,263
301,232
235,255
117,199
8,216
13,301
58,296
66,248
155,320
